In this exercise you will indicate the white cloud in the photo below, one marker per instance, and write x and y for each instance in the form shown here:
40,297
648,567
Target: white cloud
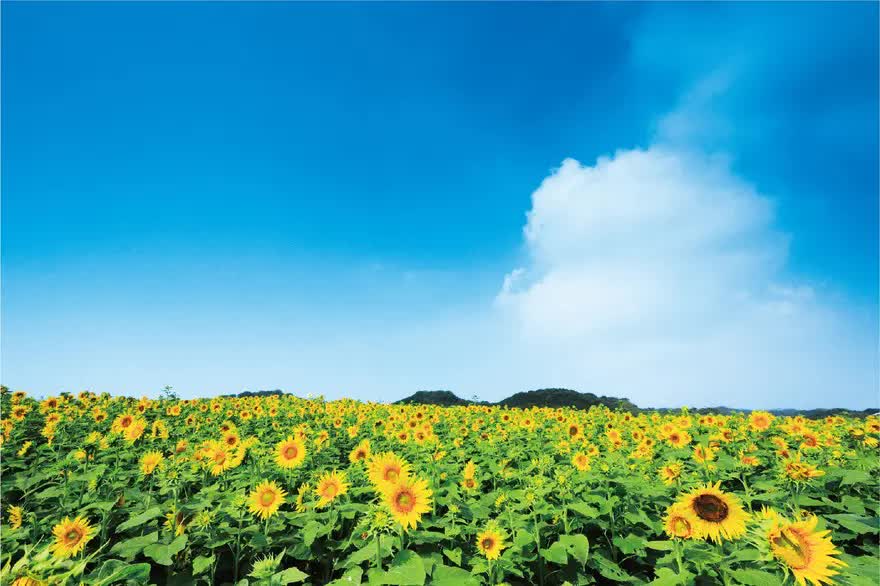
659,275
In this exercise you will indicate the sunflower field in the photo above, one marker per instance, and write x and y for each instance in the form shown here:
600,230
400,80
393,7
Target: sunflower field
103,490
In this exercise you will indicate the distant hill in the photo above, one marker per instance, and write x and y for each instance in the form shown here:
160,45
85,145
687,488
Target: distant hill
570,398
565,398
443,398
524,400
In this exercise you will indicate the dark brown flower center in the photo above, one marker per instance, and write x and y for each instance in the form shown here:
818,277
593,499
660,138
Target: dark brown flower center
487,543
290,452
710,508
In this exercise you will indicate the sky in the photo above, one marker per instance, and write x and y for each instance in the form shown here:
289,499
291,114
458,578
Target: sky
677,204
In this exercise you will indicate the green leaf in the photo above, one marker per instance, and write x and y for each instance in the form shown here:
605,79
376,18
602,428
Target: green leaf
449,576
163,553
666,577
556,553
584,509
577,546
630,543
289,576
407,569
311,531
756,578
350,578
118,572
660,545
853,523
138,520
131,547
202,563
855,477
454,555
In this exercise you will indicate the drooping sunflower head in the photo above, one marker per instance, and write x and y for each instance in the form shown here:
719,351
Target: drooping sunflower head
71,537
490,542
677,523
16,514
290,453
266,499
714,514
329,487
808,554
408,500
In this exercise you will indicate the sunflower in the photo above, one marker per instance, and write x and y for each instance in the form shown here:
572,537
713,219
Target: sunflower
581,461
150,461
677,523
290,453
713,513
71,537
387,468
27,581
803,550
122,422
266,498
490,543
135,430
678,438
407,500
15,516
219,458
760,420
670,473
330,486
360,452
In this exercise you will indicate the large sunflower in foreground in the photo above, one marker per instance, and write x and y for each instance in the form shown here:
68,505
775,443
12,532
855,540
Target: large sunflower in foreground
266,498
407,500
290,453
807,553
714,514
387,468
330,486
490,543
71,536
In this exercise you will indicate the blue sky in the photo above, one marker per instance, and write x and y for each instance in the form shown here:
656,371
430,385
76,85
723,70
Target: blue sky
677,204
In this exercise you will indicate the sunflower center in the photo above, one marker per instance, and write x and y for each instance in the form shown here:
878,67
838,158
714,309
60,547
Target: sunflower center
330,491
405,501
710,508
73,536
392,474
267,498
219,457
290,452
573,431
487,543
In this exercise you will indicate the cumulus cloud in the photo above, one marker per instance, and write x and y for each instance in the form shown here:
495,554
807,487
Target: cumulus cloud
659,274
